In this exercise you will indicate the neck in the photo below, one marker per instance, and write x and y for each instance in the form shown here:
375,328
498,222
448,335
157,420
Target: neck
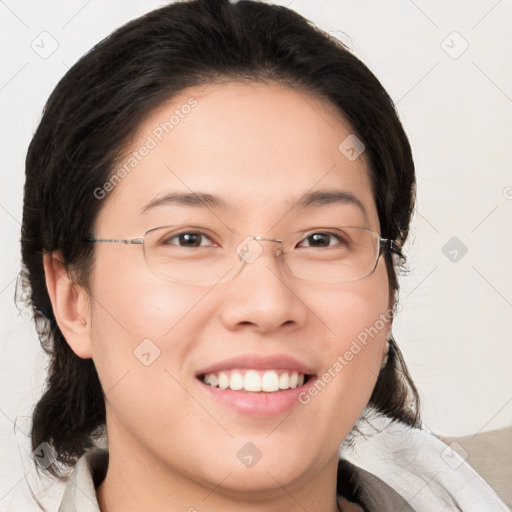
135,482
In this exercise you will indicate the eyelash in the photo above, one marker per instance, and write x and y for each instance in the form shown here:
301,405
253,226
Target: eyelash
186,233
332,235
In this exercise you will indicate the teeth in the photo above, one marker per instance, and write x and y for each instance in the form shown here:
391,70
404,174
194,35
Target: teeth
270,382
223,381
236,382
253,380
284,381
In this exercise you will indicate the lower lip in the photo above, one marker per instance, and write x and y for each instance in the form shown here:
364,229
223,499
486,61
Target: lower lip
258,404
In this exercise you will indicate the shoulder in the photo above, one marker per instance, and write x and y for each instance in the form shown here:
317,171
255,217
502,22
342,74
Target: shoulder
418,466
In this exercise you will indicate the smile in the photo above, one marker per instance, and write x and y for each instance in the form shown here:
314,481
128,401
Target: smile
268,381
256,385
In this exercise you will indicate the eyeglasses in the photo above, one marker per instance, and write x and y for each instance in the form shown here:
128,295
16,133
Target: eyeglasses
196,255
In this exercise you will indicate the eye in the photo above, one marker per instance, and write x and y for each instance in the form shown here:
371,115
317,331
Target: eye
188,239
321,239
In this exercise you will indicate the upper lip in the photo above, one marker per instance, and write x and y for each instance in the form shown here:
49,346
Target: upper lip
258,362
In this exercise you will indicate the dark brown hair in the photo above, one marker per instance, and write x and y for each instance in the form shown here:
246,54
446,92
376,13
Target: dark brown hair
98,106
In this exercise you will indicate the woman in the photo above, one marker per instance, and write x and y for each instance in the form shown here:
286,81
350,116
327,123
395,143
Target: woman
215,205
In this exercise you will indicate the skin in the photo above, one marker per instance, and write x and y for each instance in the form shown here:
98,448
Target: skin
171,447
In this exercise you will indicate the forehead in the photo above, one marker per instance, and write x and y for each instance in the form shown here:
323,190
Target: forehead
258,146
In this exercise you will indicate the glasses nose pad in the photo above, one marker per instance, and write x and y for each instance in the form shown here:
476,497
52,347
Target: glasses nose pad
249,250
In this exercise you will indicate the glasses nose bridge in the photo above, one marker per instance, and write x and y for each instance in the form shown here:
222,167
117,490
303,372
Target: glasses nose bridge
249,250
266,239
249,245
280,247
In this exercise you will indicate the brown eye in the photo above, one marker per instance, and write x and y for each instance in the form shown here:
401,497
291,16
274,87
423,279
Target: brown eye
321,240
189,239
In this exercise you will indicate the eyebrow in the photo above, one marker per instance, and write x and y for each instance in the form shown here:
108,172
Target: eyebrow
186,199
204,200
327,197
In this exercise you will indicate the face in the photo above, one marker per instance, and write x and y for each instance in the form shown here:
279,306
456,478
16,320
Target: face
258,148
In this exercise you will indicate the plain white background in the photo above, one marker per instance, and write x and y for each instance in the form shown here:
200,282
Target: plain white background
447,66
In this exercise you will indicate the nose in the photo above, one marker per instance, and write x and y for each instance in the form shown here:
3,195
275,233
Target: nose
262,296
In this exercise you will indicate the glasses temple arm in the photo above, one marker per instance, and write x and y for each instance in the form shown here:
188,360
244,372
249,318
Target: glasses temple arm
391,246
138,241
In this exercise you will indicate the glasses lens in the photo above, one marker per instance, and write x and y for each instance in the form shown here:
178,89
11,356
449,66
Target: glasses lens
187,254
335,255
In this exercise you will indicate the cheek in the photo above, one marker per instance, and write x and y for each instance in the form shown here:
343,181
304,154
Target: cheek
358,311
143,332
358,320
141,323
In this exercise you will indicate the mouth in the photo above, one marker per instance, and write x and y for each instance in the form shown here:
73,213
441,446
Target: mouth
256,385
254,380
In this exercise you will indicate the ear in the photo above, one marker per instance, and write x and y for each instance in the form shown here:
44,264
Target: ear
388,333
390,313
70,304
385,352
